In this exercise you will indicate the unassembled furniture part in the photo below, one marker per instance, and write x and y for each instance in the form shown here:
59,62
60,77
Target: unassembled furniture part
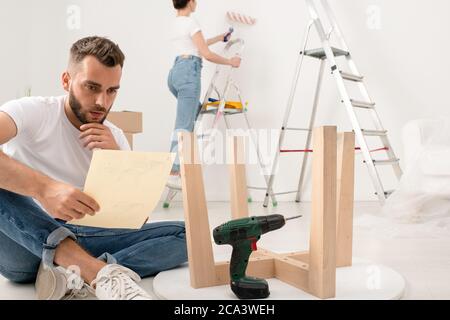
313,271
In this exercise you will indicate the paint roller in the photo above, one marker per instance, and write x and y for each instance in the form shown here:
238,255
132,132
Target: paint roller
241,18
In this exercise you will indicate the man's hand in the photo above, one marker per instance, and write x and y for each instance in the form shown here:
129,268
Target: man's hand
98,136
67,203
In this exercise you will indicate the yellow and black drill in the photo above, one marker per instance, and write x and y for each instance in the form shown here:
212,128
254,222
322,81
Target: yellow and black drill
242,235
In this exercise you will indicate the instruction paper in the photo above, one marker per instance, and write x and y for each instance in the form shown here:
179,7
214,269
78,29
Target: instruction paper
127,185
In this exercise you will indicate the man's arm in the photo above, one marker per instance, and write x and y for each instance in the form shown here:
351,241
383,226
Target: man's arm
60,200
14,176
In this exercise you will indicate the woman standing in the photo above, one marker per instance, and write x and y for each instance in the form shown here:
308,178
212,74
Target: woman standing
185,77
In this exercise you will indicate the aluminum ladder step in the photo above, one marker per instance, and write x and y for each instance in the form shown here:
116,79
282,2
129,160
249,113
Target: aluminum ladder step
362,104
387,193
387,162
286,192
319,53
298,129
377,133
351,77
203,136
226,112
257,188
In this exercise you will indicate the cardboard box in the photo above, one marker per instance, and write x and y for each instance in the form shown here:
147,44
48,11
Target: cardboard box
129,138
128,121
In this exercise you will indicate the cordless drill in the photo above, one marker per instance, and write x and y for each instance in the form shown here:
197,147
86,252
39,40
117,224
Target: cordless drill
242,235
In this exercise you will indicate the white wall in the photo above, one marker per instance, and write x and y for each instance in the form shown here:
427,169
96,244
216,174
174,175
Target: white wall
14,44
403,61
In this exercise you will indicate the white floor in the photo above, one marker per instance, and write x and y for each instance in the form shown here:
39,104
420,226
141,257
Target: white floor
424,262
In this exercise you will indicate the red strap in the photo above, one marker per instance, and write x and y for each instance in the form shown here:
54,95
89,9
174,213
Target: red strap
308,150
285,151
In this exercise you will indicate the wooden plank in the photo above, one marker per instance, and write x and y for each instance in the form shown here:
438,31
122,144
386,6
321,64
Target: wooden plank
300,256
322,257
198,236
345,198
238,180
128,121
292,272
289,270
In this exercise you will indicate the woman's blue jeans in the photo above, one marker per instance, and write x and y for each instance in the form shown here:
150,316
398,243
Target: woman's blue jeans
185,84
28,235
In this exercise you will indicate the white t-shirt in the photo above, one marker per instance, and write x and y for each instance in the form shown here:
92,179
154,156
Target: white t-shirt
183,30
48,142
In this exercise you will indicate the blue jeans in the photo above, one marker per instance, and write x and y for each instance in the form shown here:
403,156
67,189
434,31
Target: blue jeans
185,84
28,235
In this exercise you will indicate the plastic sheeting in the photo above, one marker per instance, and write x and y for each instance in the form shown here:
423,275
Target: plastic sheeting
420,207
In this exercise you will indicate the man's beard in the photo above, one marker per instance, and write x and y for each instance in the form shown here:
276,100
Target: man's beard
77,108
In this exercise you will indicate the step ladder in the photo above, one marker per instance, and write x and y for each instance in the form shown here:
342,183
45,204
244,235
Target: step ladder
330,55
216,104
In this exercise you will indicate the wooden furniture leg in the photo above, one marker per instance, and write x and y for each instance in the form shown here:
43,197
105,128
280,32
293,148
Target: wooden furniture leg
345,198
198,236
322,254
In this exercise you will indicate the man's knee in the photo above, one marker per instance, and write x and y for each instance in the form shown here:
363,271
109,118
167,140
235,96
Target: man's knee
181,229
181,235
19,276
7,198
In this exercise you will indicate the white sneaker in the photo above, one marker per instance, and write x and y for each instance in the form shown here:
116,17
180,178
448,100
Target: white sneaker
174,182
58,283
115,282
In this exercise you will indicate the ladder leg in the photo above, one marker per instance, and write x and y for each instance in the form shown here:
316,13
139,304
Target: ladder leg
255,143
287,113
311,127
260,159
228,125
220,110
170,195
347,101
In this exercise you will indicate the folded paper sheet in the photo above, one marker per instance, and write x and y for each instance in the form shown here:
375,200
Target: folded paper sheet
126,185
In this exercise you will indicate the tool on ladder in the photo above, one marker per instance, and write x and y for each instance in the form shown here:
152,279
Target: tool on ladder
217,105
242,235
329,54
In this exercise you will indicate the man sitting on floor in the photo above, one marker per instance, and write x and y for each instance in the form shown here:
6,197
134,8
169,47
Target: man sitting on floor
47,149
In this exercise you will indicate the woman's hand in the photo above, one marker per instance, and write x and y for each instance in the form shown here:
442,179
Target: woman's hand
235,62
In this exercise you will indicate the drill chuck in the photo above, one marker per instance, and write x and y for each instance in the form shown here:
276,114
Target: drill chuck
271,223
